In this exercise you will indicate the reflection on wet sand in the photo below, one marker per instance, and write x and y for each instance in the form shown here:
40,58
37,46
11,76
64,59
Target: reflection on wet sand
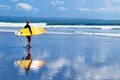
28,63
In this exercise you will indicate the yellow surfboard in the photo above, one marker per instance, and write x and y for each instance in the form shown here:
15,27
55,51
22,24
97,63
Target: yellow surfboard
35,64
26,32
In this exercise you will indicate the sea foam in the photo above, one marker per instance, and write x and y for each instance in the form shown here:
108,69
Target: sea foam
66,29
8,24
106,27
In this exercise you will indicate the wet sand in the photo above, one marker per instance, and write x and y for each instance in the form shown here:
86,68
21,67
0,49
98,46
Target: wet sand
66,57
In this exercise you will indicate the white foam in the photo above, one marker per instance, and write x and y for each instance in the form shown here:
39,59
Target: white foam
50,32
106,27
8,24
83,26
7,30
98,34
87,33
76,32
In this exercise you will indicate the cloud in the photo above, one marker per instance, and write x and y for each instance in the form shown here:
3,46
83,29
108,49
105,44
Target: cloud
83,1
15,0
106,6
63,8
4,7
112,1
101,9
26,7
83,9
57,2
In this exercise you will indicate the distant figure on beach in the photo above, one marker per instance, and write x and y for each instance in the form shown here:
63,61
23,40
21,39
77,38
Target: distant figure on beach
28,37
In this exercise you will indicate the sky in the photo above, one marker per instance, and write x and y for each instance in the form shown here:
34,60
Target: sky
92,9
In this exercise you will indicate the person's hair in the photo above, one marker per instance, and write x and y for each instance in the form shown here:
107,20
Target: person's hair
28,21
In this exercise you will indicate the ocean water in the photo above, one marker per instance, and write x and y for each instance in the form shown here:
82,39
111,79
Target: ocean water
69,51
78,26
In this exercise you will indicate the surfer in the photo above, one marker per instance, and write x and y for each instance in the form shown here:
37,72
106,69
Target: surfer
28,37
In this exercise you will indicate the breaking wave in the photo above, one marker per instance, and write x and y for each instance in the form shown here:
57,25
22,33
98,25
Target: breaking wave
87,33
91,30
98,34
9,24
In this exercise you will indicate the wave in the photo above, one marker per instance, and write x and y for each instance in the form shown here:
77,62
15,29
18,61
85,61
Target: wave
87,33
105,27
84,26
3,30
76,32
67,29
97,34
8,24
50,32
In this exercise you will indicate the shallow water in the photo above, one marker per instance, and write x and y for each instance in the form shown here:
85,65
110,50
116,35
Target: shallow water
66,57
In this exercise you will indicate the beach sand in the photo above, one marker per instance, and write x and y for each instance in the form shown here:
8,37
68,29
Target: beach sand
66,57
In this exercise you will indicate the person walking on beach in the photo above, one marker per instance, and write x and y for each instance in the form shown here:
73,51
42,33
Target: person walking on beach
28,37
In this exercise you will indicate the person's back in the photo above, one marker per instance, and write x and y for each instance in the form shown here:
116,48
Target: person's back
28,37
28,26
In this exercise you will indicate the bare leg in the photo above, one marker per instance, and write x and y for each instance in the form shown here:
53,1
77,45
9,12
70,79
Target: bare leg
28,42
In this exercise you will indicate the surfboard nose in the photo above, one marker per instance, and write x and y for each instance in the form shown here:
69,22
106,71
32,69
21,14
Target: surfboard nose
17,33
